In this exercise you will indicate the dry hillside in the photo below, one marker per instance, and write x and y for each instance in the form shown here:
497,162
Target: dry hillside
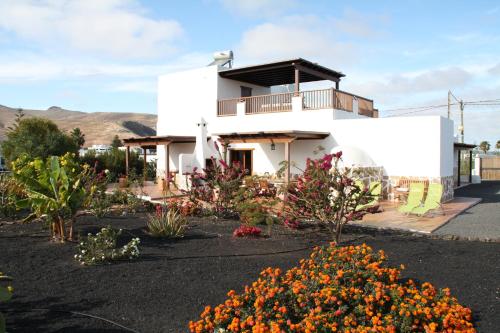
98,127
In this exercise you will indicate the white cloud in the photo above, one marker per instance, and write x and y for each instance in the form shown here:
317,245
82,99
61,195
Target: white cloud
19,67
260,8
389,89
495,69
358,24
118,28
295,36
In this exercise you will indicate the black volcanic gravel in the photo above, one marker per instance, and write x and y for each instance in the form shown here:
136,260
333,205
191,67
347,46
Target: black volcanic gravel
173,280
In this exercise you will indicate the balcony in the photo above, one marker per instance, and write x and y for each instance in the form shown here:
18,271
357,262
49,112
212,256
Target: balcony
283,102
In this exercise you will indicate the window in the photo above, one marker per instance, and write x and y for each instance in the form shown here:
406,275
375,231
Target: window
246,91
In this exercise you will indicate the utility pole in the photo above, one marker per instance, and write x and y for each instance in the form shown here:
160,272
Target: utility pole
462,119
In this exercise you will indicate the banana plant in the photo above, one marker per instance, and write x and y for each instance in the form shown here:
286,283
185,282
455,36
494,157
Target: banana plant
54,190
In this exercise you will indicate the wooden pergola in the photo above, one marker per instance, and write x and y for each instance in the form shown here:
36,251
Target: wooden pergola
149,142
273,137
283,72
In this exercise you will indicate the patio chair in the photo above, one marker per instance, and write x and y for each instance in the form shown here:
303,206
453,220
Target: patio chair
414,198
375,191
432,201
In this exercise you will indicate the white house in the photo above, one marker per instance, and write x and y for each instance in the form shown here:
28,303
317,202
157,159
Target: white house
240,106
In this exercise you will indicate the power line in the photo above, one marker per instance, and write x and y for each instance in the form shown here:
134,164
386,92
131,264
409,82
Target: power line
480,102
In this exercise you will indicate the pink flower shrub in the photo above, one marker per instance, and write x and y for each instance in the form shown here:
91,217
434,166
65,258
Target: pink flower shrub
325,192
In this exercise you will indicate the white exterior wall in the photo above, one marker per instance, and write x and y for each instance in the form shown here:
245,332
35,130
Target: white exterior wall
403,146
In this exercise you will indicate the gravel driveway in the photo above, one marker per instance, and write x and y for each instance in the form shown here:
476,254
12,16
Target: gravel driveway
481,221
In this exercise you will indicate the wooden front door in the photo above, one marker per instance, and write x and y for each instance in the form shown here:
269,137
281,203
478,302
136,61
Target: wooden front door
243,157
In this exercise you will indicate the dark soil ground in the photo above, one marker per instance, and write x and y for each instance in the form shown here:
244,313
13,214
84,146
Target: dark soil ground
174,279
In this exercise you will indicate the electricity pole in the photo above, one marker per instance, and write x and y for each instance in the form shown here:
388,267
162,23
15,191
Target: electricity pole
462,119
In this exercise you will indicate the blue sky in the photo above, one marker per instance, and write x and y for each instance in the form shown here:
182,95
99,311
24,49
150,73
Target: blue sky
105,55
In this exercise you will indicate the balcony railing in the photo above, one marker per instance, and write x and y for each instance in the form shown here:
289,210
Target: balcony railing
311,100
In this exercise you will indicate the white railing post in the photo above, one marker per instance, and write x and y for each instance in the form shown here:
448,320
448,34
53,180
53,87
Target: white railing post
297,105
241,108
355,106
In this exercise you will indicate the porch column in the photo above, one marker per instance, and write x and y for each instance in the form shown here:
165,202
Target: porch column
145,162
297,82
287,159
167,165
127,157
458,167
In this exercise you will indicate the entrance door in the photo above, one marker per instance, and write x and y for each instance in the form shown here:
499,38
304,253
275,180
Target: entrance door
243,157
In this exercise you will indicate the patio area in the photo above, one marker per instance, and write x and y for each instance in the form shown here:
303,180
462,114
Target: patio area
150,191
390,218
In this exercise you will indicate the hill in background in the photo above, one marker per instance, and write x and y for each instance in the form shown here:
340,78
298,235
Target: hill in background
98,127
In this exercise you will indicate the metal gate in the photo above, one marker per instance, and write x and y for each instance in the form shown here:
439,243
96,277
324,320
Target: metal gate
490,168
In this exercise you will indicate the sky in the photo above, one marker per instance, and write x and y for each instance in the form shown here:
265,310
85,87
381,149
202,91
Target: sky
105,55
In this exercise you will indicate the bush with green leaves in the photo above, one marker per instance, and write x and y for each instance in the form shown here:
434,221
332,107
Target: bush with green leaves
10,192
37,138
54,190
166,223
6,291
102,247
114,161
98,202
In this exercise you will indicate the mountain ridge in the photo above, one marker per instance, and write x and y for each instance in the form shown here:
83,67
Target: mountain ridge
98,127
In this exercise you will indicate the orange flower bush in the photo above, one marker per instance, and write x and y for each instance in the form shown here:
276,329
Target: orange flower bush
338,289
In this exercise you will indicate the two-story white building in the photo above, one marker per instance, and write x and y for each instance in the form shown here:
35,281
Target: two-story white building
263,127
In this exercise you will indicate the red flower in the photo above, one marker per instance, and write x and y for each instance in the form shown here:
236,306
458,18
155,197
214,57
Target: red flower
245,231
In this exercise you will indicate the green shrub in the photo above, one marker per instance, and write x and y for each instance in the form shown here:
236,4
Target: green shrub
253,212
102,247
10,192
167,223
98,202
114,161
5,295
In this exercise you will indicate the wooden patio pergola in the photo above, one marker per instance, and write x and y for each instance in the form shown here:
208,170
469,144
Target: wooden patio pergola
273,137
149,142
283,72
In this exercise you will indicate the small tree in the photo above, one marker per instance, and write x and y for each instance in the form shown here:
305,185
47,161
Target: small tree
327,193
36,137
54,189
116,142
484,146
497,146
78,137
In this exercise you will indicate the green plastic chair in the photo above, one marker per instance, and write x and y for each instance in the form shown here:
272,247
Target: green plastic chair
414,198
375,190
432,201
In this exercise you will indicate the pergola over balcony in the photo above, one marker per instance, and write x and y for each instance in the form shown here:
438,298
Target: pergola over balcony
294,71
283,72
273,137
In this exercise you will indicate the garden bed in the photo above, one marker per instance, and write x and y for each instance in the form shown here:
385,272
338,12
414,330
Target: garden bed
173,280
